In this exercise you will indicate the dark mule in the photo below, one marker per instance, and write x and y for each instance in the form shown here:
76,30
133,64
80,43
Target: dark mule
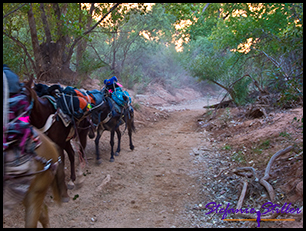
44,172
58,132
103,119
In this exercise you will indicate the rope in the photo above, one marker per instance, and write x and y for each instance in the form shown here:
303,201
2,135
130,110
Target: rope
5,101
100,104
5,113
86,95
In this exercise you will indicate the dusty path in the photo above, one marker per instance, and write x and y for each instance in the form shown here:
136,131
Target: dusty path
149,187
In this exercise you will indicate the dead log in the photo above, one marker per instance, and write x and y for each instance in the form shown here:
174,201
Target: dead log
242,195
237,171
223,104
220,172
264,181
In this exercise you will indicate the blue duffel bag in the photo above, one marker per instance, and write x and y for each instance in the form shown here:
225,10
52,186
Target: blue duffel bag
121,97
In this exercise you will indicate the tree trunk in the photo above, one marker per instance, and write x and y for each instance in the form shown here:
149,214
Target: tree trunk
56,70
114,52
83,43
228,89
35,44
52,59
54,54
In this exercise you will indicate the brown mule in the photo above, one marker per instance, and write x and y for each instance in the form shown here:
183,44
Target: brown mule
43,171
58,132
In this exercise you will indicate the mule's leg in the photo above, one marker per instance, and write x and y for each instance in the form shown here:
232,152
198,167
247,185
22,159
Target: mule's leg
83,140
44,216
34,199
119,141
112,159
70,152
99,134
79,170
60,176
59,185
130,136
32,205
35,209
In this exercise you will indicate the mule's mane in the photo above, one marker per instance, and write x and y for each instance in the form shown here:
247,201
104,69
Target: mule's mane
34,96
32,92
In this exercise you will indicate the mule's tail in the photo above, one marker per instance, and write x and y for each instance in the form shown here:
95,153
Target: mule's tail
129,120
133,124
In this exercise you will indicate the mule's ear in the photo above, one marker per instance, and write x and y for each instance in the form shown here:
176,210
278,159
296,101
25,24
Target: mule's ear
30,82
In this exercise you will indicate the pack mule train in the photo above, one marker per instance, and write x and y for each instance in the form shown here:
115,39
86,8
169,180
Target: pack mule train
115,110
109,108
60,132
31,161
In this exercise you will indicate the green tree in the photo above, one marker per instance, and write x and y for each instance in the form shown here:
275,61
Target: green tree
124,47
274,56
55,30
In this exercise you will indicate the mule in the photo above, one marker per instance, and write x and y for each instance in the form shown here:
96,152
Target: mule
48,171
104,120
58,132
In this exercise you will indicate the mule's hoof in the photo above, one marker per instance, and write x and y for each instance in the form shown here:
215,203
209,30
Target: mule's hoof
65,199
98,162
112,160
132,147
70,185
116,153
79,182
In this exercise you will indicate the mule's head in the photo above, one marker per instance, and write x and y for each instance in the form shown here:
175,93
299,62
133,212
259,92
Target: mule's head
30,92
28,88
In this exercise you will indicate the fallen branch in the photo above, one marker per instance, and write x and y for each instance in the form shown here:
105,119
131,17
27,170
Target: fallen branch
249,168
220,172
244,174
222,104
264,181
242,195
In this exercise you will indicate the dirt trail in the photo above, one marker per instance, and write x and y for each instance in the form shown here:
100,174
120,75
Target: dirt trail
151,186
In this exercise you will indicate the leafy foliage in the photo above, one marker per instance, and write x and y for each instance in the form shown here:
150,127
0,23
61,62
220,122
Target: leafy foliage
223,42
273,54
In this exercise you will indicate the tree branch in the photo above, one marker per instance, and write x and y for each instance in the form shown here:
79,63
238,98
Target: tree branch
88,31
254,81
20,44
98,55
242,195
34,40
276,63
264,181
45,23
114,7
205,7
14,10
